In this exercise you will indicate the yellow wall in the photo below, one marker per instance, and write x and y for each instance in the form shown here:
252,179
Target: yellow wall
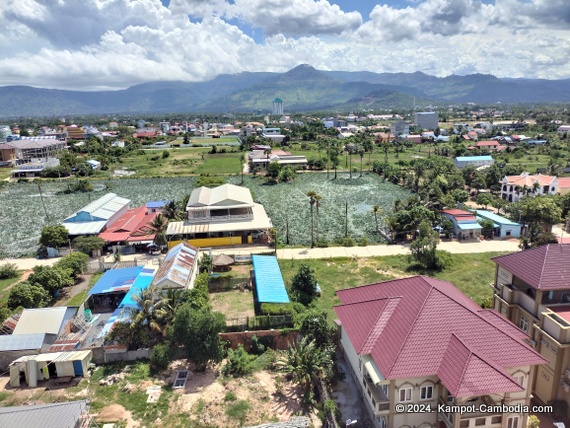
211,242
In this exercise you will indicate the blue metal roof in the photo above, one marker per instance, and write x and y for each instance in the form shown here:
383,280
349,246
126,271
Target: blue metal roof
156,204
268,280
21,342
115,280
468,226
488,215
473,158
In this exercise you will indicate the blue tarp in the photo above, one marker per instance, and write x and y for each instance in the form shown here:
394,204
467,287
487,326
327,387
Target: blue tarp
268,280
495,218
116,280
468,226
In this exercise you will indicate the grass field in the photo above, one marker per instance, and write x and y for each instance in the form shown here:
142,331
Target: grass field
471,273
180,162
5,285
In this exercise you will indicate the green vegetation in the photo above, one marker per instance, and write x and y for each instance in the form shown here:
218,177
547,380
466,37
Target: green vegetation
471,273
78,299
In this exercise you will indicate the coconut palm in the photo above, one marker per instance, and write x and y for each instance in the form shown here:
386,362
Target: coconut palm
171,210
376,210
361,154
318,199
159,224
304,362
312,201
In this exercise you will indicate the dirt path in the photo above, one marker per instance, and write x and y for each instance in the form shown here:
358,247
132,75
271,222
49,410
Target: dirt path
70,292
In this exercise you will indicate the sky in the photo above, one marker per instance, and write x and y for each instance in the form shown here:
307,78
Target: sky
113,44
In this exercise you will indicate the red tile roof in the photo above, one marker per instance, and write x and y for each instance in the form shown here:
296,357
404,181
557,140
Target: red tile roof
461,215
544,268
133,226
421,326
563,182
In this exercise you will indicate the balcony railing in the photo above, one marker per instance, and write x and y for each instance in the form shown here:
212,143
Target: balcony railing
214,218
382,402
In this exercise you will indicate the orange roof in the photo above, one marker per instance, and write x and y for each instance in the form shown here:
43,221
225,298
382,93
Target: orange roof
563,182
528,180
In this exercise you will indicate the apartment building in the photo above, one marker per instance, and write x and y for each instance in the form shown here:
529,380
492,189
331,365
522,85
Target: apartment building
532,289
420,350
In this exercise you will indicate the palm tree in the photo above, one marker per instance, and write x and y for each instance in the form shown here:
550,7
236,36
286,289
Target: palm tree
171,210
361,153
312,201
159,224
376,210
304,362
144,316
318,199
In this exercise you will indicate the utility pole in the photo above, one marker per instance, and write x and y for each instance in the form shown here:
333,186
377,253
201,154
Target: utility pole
346,218
42,199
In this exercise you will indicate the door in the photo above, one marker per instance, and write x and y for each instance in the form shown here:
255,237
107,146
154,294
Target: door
78,368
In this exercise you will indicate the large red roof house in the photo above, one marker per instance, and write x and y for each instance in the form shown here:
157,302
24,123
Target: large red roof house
514,187
420,343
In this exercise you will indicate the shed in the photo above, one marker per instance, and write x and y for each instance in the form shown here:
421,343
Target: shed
269,284
502,227
179,268
54,415
13,346
94,217
45,366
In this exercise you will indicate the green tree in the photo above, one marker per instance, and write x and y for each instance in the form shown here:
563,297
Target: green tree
273,170
28,295
75,262
52,278
88,244
460,195
287,174
198,331
304,285
376,210
239,362
305,362
9,270
423,248
487,228
159,225
54,236
484,199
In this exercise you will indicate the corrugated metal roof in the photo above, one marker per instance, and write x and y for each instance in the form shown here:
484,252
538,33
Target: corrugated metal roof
178,266
87,228
268,280
488,215
225,195
473,158
55,415
115,280
44,320
103,208
21,342
55,356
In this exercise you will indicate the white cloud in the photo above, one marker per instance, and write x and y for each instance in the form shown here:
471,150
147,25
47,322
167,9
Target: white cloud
119,43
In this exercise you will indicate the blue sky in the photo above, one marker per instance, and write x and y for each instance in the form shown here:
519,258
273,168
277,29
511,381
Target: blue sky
114,44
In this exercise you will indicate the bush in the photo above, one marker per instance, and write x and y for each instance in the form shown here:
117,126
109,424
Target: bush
161,356
257,347
444,259
28,296
344,241
322,243
75,262
363,242
238,411
275,308
239,362
165,154
230,396
8,270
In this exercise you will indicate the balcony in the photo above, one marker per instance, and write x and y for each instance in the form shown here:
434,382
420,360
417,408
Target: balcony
510,294
215,216
376,396
556,325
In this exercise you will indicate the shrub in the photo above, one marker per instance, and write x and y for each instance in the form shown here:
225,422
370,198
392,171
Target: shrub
322,243
363,242
275,308
161,355
347,241
28,296
230,396
257,347
239,362
75,262
238,411
165,154
8,270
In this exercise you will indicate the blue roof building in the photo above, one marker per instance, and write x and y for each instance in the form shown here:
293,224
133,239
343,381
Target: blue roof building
269,284
502,227
477,161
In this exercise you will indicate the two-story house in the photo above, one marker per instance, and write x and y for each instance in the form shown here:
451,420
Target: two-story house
465,225
420,350
224,215
514,187
532,289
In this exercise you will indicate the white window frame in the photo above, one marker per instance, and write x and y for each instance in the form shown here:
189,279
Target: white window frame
407,392
520,379
523,324
513,422
423,392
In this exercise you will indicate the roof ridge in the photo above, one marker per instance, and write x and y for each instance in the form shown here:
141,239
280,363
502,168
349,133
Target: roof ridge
546,250
381,321
404,341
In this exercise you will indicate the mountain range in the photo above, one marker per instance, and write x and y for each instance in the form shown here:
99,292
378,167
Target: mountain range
302,88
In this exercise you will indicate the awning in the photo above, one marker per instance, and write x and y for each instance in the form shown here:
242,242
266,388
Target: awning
371,370
468,226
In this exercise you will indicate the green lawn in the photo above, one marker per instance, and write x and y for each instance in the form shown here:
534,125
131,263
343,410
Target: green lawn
181,161
5,285
471,273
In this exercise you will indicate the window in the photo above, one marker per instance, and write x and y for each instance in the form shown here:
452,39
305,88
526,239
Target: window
523,324
426,392
464,424
519,379
406,394
513,422
479,422
496,419
382,421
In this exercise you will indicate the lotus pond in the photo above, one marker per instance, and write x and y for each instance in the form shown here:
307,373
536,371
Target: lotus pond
22,215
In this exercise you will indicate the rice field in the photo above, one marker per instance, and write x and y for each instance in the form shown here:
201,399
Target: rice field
22,212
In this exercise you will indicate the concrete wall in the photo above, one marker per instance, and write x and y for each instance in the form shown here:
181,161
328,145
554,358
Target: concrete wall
7,357
104,355
280,341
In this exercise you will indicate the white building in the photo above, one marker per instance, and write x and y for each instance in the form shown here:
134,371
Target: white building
400,127
514,187
277,106
476,161
426,119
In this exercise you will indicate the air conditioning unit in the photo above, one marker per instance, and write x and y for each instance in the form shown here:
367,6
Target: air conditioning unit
565,386
532,343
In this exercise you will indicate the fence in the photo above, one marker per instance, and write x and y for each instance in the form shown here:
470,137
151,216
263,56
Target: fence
260,322
330,418
111,354
274,339
94,266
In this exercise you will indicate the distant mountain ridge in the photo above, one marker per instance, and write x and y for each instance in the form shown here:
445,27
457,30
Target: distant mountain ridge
302,88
